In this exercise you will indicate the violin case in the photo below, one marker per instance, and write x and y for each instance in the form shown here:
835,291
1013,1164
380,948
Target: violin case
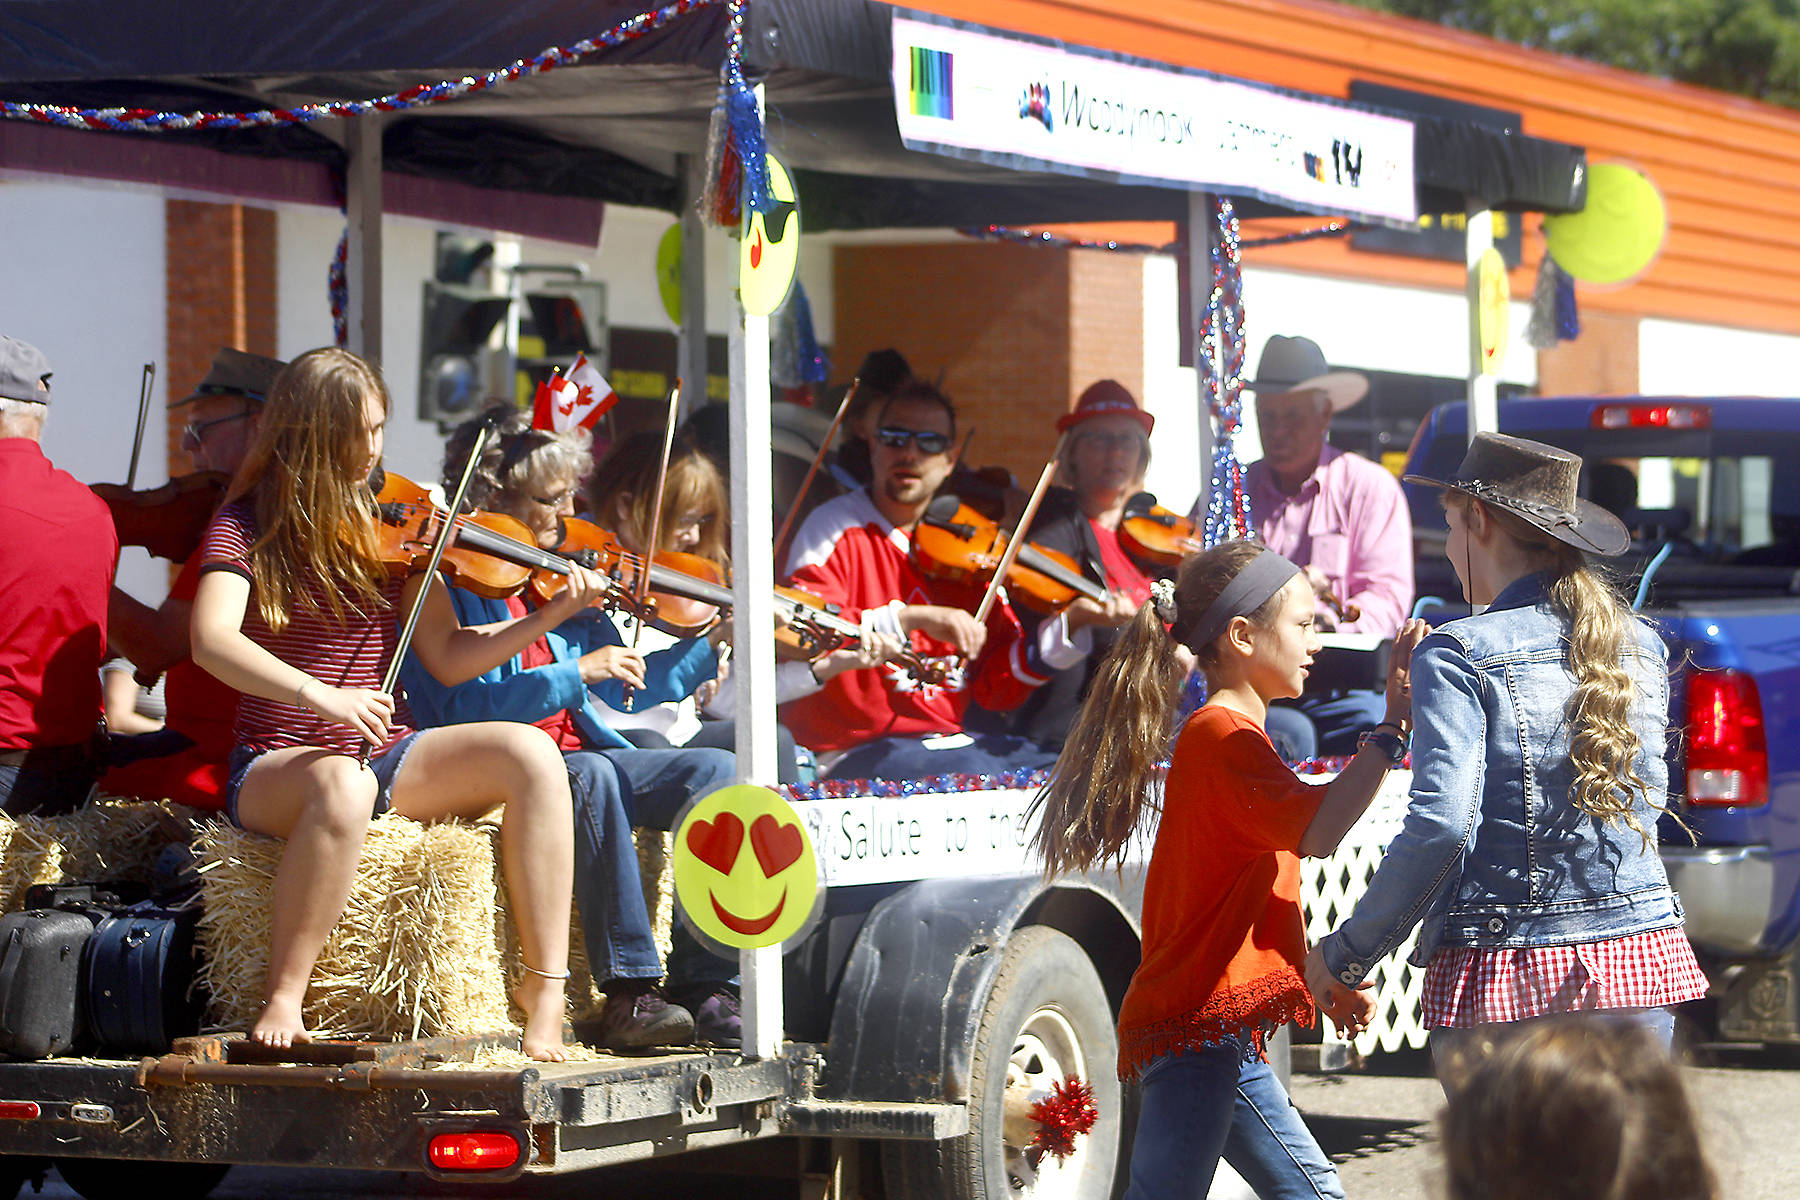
41,953
140,977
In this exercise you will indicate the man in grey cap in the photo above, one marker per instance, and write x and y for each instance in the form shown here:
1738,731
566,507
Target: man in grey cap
1339,516
185,761
58,550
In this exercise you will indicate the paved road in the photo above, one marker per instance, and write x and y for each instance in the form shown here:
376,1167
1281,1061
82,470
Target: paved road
1377,1124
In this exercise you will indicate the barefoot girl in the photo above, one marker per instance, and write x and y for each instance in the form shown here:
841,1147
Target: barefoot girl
296,610
1223,933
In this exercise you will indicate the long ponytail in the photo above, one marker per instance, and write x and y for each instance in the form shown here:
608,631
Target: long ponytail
1103,779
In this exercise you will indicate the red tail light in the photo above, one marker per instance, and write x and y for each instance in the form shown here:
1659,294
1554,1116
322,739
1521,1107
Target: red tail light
20,1110
474,1150
1652,416
1727,751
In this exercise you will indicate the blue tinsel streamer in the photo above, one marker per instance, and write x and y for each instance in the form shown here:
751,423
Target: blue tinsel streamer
814,366
1568,319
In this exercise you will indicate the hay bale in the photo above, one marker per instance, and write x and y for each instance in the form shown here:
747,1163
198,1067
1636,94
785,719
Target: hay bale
414,954
658,879
106,840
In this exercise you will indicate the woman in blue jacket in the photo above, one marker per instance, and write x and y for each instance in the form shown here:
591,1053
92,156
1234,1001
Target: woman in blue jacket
1529,847
558,684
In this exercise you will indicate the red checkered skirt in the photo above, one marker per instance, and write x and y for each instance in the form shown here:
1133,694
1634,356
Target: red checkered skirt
1466,986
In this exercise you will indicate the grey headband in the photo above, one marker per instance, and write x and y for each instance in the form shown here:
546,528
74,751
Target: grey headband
1248,591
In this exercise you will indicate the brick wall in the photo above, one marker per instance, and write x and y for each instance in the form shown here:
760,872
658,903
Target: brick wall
1014,331
1602,361
220,290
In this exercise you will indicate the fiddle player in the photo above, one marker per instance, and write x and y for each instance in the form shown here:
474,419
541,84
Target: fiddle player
185,761
1101,464
854,551
58,550
1340,517
567,682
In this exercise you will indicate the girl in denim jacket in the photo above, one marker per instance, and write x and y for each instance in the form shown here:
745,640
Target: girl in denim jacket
1529,848
1223,935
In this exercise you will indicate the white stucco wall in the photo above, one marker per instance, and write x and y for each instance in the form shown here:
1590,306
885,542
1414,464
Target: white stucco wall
1681,358
84,284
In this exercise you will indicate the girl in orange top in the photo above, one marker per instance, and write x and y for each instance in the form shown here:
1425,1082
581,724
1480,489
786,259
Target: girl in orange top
1223,935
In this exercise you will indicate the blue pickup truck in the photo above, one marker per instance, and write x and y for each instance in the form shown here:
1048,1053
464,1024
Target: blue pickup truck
1710,488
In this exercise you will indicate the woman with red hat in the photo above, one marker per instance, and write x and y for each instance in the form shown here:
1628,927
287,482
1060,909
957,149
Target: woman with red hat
1104,453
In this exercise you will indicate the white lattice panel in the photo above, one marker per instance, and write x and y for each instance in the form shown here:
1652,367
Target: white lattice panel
1329,890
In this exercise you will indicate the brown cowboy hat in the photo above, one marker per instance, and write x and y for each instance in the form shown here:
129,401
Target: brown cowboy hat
1535,483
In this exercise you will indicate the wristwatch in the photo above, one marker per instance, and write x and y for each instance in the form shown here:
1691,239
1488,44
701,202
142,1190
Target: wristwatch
1390,744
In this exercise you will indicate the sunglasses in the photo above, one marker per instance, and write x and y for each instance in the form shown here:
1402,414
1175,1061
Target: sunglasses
895,438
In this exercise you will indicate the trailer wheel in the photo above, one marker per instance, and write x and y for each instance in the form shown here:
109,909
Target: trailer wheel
124,1179
1046,1018
15,1172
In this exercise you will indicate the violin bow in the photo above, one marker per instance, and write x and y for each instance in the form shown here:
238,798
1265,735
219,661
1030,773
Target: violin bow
1016,542
137,443
787,523
662,478
438,546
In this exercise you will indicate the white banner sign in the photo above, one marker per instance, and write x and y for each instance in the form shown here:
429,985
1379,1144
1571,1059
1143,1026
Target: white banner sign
976,94
892,839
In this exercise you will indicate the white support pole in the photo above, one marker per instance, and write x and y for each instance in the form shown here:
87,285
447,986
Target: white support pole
362,209
753,646
691,352
1201,240
1484,411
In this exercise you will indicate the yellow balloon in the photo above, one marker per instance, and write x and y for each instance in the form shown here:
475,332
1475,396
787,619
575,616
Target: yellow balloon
1618,234
668,272
744,867
770,249
1494,313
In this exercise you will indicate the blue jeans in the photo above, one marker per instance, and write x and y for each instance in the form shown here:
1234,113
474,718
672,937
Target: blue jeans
1448,1044
1338,716
911,758
1223,1101
43,793
656,786
608,888
1292,733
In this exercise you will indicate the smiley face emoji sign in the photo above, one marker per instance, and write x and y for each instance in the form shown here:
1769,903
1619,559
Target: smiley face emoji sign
770,248
745,871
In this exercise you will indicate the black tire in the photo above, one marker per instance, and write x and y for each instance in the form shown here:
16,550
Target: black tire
123,1179
16,1171
1045,1018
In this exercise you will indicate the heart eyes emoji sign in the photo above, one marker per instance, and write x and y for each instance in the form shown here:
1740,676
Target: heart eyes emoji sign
744,868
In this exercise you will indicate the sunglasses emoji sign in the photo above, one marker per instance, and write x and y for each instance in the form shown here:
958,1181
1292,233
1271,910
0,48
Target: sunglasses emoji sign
745,872
770,248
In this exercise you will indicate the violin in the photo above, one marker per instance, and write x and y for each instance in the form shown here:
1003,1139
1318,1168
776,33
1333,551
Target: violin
170,520
1346,612
686,593
956,543
814,629
1153,534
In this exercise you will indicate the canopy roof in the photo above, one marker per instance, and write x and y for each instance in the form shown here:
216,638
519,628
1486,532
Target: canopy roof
615,126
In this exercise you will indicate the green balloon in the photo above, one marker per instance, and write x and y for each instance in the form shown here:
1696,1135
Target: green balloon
1618,234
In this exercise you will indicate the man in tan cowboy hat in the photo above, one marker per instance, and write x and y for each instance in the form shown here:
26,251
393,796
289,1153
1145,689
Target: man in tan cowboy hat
185,761
1338,515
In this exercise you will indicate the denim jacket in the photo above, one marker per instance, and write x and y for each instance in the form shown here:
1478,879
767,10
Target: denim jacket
1493,852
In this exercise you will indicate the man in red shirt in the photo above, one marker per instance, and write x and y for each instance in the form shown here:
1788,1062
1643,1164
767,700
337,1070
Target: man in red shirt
58,550
185,761
854,552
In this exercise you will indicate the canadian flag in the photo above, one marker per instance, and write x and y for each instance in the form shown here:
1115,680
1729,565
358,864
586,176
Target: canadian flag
572,400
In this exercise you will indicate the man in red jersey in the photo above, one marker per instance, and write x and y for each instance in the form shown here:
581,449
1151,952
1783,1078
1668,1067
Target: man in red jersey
58,551
854,551
185,761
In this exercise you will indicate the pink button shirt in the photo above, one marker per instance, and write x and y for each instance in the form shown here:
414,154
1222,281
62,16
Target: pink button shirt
1349,519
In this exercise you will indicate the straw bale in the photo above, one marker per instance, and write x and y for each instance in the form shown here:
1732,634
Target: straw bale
414,954
106,840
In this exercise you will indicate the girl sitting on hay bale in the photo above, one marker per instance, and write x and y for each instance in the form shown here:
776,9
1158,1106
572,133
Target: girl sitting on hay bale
297,611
